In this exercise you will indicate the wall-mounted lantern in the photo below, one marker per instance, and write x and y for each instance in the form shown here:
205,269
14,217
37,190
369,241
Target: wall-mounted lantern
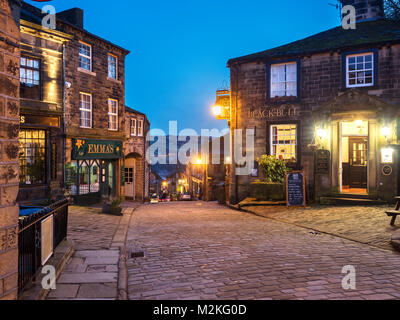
222,106
386,132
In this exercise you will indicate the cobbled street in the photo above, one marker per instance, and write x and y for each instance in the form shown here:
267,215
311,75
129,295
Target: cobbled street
198,250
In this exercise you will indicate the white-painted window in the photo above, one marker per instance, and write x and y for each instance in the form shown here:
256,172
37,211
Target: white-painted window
140,128
112,115
284,142
85,108
133,127
360,70
85,56
284,80
112,67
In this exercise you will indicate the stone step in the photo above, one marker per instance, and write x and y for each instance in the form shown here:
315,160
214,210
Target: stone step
350,201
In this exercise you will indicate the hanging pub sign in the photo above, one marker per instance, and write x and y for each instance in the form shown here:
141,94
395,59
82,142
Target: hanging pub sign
83,149
322,161
295,189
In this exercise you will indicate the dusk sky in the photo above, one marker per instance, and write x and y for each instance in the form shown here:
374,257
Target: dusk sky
179,49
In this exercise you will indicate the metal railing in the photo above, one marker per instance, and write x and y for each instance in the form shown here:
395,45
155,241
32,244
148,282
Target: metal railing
29,239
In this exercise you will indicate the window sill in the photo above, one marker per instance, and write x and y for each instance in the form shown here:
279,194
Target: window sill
113,130
85,127
87,71
283,100
114,80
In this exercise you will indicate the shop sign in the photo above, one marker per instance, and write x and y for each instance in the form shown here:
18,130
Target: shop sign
273,113
96,149
39,120
322,161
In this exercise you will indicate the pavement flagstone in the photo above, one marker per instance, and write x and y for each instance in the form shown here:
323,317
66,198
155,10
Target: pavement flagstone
93,271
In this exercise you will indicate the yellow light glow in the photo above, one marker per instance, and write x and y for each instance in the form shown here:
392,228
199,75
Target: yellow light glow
165,183
217,110
385,131
321,133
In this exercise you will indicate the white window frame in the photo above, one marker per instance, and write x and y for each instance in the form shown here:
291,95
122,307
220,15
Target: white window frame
140,128
133,128
112,114
88,110
286,81
372,69
272,144
85,56
116,66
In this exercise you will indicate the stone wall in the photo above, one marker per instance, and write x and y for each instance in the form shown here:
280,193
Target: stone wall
9,128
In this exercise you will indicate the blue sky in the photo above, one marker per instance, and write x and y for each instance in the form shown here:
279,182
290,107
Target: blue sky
179,49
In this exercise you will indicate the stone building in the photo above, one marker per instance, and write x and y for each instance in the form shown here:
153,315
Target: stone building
328,105
9,126
137,169
94,112
42,106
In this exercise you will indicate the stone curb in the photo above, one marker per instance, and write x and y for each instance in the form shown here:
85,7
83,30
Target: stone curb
62,254
120,239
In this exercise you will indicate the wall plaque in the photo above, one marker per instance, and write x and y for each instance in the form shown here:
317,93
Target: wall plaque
323,158
387,170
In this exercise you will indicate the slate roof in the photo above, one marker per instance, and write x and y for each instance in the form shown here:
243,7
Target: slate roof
133,111
368,33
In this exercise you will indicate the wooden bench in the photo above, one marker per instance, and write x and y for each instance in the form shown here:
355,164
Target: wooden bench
394,213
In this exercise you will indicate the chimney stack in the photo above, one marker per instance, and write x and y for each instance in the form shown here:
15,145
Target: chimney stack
73,16
366,9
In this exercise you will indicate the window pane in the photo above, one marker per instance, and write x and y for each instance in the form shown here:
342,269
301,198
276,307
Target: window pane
284,142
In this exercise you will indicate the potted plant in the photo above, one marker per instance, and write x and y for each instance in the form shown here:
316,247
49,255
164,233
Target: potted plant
113,207
273,188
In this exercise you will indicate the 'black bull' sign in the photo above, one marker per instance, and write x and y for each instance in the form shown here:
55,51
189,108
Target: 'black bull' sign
273,113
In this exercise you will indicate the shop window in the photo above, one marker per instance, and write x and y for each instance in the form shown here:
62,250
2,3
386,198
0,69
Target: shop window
88,178
112,114
112,67
140,128
360,70
32,156
30,78
85,108
133,127
284,142
284,80
85,56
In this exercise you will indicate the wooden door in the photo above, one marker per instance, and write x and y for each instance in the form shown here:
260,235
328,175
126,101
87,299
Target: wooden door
358,153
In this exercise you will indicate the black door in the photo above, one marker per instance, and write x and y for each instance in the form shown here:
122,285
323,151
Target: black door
358,152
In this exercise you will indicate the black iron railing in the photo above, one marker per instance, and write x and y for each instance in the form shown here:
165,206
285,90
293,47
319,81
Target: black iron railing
29,239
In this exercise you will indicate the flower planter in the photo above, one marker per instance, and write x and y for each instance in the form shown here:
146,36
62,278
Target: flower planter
268,191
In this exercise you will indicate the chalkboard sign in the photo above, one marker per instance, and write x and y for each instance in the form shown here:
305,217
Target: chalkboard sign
322,161
295,189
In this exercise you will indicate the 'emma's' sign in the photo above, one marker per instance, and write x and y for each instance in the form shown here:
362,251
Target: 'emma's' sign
96,149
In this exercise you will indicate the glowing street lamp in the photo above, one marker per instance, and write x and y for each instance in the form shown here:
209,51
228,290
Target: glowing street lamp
217,110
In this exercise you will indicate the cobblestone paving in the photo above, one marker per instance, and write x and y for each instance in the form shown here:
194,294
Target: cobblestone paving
205,251
368,225
92,272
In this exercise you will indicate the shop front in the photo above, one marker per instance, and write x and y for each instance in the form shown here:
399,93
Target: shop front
40,158
94,174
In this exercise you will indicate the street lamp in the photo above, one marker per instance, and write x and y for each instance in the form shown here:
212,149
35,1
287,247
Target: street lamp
217,110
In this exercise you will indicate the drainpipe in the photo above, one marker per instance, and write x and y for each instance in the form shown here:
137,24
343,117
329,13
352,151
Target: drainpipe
63,121
236,69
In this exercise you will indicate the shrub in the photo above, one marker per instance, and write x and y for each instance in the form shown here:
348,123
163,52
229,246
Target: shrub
275,169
